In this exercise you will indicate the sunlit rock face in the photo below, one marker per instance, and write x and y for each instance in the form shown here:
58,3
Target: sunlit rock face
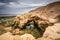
52,31
42,38
27,37
6,36
9,36
16,37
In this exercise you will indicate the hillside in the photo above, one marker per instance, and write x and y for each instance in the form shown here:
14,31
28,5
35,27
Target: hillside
42,23
49,12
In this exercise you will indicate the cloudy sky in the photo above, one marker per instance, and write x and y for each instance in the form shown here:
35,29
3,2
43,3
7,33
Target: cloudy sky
16,7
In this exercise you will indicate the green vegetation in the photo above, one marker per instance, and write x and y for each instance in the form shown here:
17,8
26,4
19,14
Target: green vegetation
6,21
34,32
2,30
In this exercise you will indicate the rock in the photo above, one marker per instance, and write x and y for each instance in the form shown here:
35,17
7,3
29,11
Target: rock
16,31
48,13
43,14
51,20
42,38
9,36
27,37
16,37
6,36
52,32
8,28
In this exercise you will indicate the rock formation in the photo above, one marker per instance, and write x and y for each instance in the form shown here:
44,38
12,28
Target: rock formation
6,36
52,32
9,36
47,13
27,37
46,19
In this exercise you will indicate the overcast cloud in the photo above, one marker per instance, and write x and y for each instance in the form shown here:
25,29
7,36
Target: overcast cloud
16,7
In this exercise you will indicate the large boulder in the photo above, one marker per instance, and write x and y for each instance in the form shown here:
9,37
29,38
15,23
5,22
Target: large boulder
9,36
27,37
42,38
6,36
52,32
16,37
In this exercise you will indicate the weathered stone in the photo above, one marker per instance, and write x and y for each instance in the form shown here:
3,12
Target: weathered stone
16,37
52,31
6,36
42,38
27,37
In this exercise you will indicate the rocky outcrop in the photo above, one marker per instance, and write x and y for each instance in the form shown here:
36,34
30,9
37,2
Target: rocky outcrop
47,17
9,36
27,37
6,36
52,32
48,13
42,38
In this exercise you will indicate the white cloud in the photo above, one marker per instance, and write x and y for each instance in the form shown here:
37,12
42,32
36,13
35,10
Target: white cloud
16,5
12,4
23,4
33,4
